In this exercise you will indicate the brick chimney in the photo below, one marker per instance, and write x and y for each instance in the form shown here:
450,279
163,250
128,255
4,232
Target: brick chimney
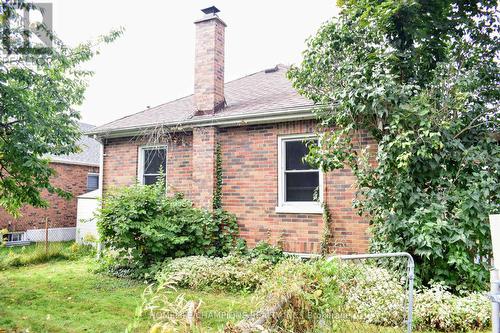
209,63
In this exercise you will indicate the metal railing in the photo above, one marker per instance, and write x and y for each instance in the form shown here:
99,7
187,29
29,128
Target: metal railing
410,275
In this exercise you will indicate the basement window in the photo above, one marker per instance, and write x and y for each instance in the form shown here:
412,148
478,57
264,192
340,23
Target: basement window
152,162
300,186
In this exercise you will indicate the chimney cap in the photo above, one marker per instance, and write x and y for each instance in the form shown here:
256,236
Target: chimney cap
210,10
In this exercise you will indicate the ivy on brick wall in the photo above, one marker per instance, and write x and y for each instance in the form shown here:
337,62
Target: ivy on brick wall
217,199
422,78
325,244
227,227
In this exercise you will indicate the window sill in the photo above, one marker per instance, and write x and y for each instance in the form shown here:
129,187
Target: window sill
313,209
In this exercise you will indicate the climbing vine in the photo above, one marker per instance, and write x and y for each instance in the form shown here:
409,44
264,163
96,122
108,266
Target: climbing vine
228,230
217,199
325,243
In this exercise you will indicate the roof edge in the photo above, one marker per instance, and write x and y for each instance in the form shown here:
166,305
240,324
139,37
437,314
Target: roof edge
63,161
273,116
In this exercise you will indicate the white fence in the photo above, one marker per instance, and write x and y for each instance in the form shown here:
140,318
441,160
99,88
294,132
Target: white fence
54,234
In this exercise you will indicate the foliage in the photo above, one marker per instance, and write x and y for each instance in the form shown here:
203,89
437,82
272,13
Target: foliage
226,234
217,199
142,227
167,315
227,224
326,235
37,92
231,274
439,309
375,295
268,252
37,254
422,80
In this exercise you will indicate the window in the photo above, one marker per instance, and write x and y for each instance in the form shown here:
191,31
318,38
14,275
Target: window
152,161
300,185
92,181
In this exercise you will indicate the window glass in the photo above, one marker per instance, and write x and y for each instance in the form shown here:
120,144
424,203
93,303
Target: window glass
150,179
92,182
300,180
295,151
154,159
300,186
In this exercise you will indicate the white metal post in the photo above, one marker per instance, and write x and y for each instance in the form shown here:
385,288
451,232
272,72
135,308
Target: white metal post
494,274
495,305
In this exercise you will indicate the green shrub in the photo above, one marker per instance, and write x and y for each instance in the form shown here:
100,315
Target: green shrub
439,309
231,273
372,295
375,295
266,251
142,227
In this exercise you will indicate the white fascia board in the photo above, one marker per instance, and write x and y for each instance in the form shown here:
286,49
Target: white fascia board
62,161
303,113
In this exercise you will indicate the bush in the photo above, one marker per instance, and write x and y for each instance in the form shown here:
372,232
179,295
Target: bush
266,251
374,295
142,227
231,273
439,309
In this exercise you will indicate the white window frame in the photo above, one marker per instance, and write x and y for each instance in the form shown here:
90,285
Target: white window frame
299,207
140,160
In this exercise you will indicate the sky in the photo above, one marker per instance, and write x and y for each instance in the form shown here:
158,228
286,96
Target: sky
153,61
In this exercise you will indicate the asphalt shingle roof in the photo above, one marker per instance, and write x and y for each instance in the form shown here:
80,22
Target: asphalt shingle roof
260,92
90,150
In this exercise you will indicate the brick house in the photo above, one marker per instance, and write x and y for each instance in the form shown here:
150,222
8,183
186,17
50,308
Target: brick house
260,123
76,173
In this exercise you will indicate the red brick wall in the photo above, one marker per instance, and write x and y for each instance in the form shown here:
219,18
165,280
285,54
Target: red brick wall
209,66
250,190
204,141
121,156
250,187
61,212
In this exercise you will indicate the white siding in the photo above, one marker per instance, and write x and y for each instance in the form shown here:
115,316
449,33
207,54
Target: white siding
85,216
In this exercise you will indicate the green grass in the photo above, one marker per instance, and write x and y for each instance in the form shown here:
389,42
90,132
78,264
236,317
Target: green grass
65,296
37,253
33,247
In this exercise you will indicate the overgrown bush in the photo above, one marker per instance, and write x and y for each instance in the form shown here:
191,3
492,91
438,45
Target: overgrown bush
375,295
317,295
141,227
266,251
429,98
231,273
437,308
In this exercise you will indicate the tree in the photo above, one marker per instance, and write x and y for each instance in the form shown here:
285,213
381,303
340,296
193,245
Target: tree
422,78
38,88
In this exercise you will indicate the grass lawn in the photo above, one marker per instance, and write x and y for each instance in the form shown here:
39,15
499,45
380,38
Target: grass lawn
64,296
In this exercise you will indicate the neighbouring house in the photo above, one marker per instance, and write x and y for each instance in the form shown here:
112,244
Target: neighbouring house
260,123
76,173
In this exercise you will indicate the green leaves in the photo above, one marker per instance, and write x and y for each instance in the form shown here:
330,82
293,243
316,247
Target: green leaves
146,227
38,91
422,80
